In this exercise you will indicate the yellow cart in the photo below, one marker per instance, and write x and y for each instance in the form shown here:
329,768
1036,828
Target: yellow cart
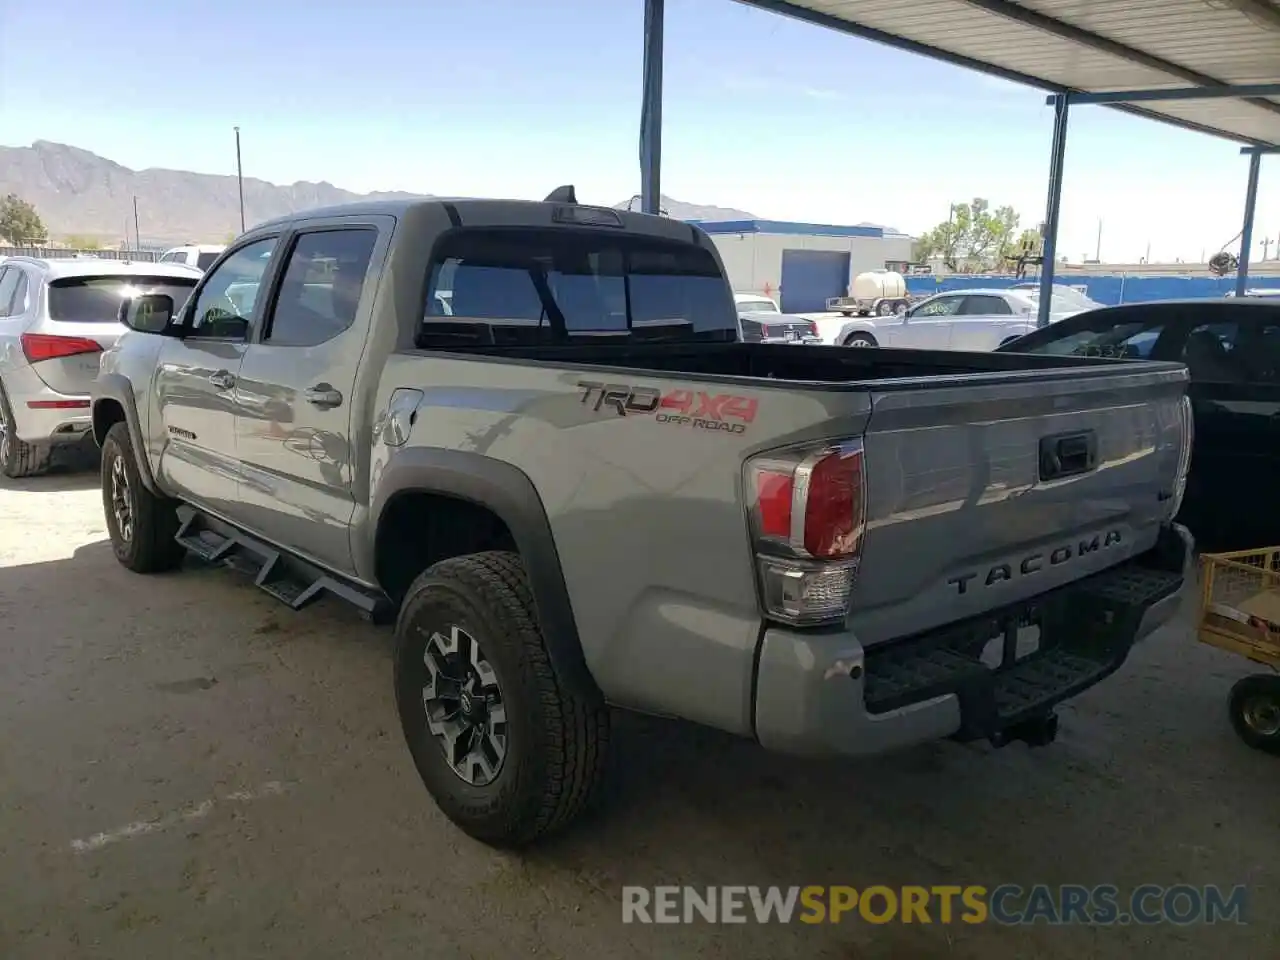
1240,613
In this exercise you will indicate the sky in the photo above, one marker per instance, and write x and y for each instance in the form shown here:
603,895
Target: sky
512,98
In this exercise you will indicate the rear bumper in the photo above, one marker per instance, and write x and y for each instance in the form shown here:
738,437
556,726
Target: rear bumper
46,424
824,694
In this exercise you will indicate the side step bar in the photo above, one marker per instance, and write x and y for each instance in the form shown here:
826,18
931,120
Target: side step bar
289,579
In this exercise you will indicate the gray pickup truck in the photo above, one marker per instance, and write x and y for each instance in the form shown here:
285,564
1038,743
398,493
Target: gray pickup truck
528,434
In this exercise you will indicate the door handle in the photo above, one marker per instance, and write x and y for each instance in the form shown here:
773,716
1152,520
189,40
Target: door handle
222,379
324,396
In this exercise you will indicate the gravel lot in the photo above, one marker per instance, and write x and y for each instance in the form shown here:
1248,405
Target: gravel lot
188,769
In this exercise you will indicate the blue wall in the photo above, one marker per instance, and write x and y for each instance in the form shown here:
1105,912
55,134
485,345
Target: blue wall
1107,289
809,277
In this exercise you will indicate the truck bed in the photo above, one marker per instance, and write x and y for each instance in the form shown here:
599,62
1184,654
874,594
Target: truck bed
961,516
793,364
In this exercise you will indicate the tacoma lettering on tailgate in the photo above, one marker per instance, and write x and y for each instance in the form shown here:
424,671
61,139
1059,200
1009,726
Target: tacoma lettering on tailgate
1035,562
695,409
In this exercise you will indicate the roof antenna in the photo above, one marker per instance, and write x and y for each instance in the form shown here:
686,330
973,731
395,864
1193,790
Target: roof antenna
563,194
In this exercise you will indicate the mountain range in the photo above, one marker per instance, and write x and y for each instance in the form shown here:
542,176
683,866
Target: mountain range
78,193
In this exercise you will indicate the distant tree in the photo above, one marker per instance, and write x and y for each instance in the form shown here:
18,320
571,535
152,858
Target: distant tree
19,222
974,239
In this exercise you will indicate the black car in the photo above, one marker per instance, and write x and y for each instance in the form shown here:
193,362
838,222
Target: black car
1232,349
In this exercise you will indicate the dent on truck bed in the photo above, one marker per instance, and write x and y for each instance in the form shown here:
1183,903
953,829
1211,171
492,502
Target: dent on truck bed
510,494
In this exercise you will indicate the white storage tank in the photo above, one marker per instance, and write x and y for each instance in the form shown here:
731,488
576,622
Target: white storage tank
879,285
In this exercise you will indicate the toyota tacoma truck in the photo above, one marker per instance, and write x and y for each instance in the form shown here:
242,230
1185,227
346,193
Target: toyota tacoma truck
528,434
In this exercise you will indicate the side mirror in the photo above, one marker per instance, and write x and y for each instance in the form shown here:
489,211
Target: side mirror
148,313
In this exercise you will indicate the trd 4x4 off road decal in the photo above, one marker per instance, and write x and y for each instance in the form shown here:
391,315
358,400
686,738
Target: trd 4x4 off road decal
697,409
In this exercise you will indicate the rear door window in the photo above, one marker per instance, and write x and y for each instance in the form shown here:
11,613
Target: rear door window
18,302
320,292
1128,340
984,305
8,284
519,286
1233,352
97,299
205,260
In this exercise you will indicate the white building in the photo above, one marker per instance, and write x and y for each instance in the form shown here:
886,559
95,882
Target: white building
802,264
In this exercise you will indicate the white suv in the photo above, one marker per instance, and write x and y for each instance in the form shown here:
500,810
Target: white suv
56,318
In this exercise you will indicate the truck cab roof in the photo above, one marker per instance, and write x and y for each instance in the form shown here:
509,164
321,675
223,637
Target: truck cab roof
472,211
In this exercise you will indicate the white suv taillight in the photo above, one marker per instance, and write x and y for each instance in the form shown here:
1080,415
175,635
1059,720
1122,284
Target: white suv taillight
807,509
1188,425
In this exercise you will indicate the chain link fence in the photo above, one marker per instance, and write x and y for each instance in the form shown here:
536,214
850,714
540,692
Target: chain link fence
64,253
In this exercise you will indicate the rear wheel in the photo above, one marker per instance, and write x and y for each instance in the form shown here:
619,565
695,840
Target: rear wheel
1255,711
884,308
507,753
860,340
141,525
18,459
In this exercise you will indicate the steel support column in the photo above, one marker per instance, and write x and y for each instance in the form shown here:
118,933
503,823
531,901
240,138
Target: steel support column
1052,207
1246,232
651,109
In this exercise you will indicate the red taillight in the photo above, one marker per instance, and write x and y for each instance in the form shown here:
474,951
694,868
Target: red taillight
833,512
813,329
808,511
774,491
45,346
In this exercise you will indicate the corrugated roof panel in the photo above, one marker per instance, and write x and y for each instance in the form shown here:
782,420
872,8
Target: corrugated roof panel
1188,39
1216,39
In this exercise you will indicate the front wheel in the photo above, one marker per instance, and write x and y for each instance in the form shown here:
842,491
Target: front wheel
1255,711
141,525
507,753
860,340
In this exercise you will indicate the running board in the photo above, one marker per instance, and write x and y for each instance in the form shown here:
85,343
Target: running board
289,579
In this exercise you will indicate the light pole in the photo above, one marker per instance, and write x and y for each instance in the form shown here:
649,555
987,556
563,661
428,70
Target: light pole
137,234
240,179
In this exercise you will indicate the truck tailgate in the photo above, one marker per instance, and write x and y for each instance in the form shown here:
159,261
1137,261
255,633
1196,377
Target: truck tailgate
981,494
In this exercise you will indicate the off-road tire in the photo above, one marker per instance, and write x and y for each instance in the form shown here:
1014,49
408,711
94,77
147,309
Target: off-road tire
860,340
1260,687
556,743
19,459
151,547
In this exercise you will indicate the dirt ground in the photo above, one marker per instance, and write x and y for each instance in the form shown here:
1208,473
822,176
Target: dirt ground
189,770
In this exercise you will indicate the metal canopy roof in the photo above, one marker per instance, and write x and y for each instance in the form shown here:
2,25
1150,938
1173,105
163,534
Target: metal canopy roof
1091,46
